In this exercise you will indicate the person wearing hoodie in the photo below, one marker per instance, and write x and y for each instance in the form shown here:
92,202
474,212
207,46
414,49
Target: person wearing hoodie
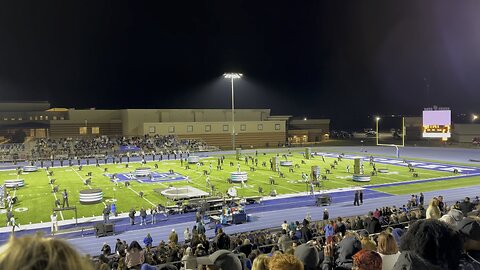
429,244
469,229
345,251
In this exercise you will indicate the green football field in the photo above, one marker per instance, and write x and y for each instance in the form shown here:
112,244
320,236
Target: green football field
37,199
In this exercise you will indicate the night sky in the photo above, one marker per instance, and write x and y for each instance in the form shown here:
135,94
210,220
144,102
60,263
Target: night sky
345,60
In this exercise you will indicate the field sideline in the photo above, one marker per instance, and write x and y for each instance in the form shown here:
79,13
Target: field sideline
37,200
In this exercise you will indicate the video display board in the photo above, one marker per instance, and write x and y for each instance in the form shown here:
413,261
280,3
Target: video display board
437,123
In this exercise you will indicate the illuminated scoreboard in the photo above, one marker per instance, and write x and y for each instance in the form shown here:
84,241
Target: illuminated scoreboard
436,131
437,123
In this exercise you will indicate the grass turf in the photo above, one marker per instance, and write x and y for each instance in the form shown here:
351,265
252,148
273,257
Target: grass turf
37,197
430,186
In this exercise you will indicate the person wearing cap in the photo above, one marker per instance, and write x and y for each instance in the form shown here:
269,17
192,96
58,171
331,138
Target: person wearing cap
308,254
220,260
367,243
469,229
173,237
429,244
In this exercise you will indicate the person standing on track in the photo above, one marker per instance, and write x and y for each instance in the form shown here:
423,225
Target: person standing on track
54,220
356,199
65,198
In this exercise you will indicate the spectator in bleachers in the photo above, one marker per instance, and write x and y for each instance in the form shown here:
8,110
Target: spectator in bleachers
135,256
466,206
284,242
308,254
388,250
223,260
347,247
429,244
285,262
246,247
433,211
37,253
222,240
189,261
372,224
173,237
367,242
469,229
261,262
148,241
367,260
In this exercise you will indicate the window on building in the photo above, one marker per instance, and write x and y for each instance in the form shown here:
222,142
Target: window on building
171,129
189,128
5,119
13,118
243,127
225,127
54,117
62,118
260,126
41,117
95,130
151,129
277,126
46,117
20,118
31,118
208,128
83,130
36,117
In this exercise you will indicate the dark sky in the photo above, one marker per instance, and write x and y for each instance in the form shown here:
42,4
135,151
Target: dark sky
339,59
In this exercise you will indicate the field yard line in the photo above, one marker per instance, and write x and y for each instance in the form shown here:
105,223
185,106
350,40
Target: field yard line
54,195
142,196
81,177
295,191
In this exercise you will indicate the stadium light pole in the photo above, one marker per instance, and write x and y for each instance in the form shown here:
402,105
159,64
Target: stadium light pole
376,126
232,76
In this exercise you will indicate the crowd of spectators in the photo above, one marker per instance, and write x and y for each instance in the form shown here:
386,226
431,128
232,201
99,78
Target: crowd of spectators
11,149
414,237
103,145
386,238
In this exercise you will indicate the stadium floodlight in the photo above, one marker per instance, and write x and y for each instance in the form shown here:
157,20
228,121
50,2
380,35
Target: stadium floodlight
376,127
232,76
474,117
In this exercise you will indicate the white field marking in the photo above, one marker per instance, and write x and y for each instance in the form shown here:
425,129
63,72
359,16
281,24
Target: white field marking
295,191
54,195
81,177
142,196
